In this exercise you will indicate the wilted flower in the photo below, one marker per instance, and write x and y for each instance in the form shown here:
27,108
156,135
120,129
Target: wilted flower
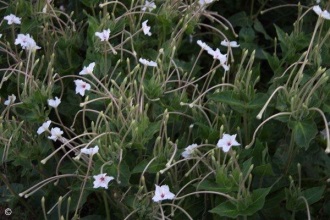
26,42
102,180
324,14
81,86
88,70
229,43
44,127
12,19
146,28
104,35
324,132
56,133
162,193
227,141
54,102
149,5
11,99
147,62
219,56
90,151
189,150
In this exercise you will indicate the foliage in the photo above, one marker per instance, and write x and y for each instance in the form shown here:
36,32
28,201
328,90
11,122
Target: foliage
153,108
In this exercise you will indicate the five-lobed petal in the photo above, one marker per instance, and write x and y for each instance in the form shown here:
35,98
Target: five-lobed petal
227,141
146,28
44,127
147,62
90,151
55,133
104,35
88,69
162,193
26,42
322,13
11,99
12,19
149,6
189,151
81,86
54,102
102,180
229,43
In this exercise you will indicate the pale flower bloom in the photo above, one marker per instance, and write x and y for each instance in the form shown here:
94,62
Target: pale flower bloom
162,193
147,62
189,151
146,28
324,14
88,70
11,99
102,180
219,56
81,86
229,43
227,141
203,45
56,133
12,19
26,42
44,127
54,102
149,5
90,151
204,2
104,35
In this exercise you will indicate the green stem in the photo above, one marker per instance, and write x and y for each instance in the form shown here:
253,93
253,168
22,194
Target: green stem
106,204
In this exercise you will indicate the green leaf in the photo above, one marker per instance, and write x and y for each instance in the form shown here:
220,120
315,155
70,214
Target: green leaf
260,28
314,194
248,206
304,132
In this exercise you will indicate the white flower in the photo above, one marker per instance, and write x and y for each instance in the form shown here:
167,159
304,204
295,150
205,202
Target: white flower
147,62
146,28
11,99
324,14
88,70
81,86
102,180
162,193
44,127
227,141
219,56
0,35
26,42
12,19
229,43
149,5
204,2
62,8
104,35
54,102
203,45
189,150
56,133
90,151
